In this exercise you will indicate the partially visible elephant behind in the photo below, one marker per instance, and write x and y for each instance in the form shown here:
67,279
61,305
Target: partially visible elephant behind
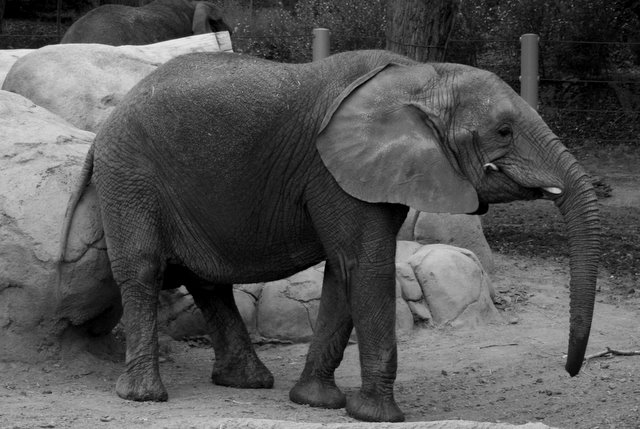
116,24
222,168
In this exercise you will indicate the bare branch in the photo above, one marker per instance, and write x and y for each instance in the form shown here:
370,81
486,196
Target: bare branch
612,352
498,345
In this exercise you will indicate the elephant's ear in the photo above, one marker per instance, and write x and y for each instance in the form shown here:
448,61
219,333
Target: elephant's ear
382,144
207,18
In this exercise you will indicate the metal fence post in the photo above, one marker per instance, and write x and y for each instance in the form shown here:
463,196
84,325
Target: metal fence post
529,69
320,45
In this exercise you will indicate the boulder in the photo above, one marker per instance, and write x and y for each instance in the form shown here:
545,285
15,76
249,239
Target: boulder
96,77
40,158
455,286
287,309
459,230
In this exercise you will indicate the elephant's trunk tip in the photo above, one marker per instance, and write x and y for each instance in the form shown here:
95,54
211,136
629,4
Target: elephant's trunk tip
575,357
573,368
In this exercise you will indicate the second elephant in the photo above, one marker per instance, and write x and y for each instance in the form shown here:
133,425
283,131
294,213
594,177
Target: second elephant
116,25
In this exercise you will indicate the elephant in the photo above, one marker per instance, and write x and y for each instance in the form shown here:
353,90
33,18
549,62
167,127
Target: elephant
114,24
224,168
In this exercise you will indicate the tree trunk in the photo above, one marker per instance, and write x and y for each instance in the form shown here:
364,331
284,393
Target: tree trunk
420,29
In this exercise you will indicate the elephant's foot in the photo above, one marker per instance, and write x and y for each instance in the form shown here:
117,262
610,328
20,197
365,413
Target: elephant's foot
316,393
252,375
141,387
372,408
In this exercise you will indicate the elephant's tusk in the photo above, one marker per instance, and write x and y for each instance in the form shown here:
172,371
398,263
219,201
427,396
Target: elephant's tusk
491,166
553,190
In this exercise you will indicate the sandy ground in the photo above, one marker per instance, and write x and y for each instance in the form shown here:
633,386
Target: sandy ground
504,372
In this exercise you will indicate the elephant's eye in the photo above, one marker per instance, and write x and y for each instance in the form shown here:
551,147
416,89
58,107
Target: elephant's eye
505,131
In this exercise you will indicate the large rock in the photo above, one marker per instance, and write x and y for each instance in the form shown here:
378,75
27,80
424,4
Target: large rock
287,309
455,286
460,230
84,82
40,158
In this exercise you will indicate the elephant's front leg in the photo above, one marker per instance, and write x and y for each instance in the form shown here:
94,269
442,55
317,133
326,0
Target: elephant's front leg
360,245
358,291
372,297
317,386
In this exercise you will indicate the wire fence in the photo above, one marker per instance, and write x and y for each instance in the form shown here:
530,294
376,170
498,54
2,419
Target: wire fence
600,103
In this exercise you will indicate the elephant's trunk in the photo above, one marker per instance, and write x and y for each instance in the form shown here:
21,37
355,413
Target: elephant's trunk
579,206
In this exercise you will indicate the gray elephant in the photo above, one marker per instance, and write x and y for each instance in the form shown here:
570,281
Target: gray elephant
222,168
114,24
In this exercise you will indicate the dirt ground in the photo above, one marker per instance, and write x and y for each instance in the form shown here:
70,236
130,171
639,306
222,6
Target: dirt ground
505,372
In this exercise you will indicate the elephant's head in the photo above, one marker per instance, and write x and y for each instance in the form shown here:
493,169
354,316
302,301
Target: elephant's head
452,138
207,18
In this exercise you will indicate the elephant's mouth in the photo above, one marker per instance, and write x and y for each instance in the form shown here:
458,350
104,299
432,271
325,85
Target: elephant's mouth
502,184
498,187
530,194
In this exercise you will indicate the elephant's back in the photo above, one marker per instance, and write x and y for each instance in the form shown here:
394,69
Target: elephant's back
232,111
242,105
236,92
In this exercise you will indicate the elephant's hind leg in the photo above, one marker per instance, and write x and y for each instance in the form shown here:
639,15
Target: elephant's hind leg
141,379
236,364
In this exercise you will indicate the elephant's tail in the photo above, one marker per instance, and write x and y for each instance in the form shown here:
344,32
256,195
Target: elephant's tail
74,199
